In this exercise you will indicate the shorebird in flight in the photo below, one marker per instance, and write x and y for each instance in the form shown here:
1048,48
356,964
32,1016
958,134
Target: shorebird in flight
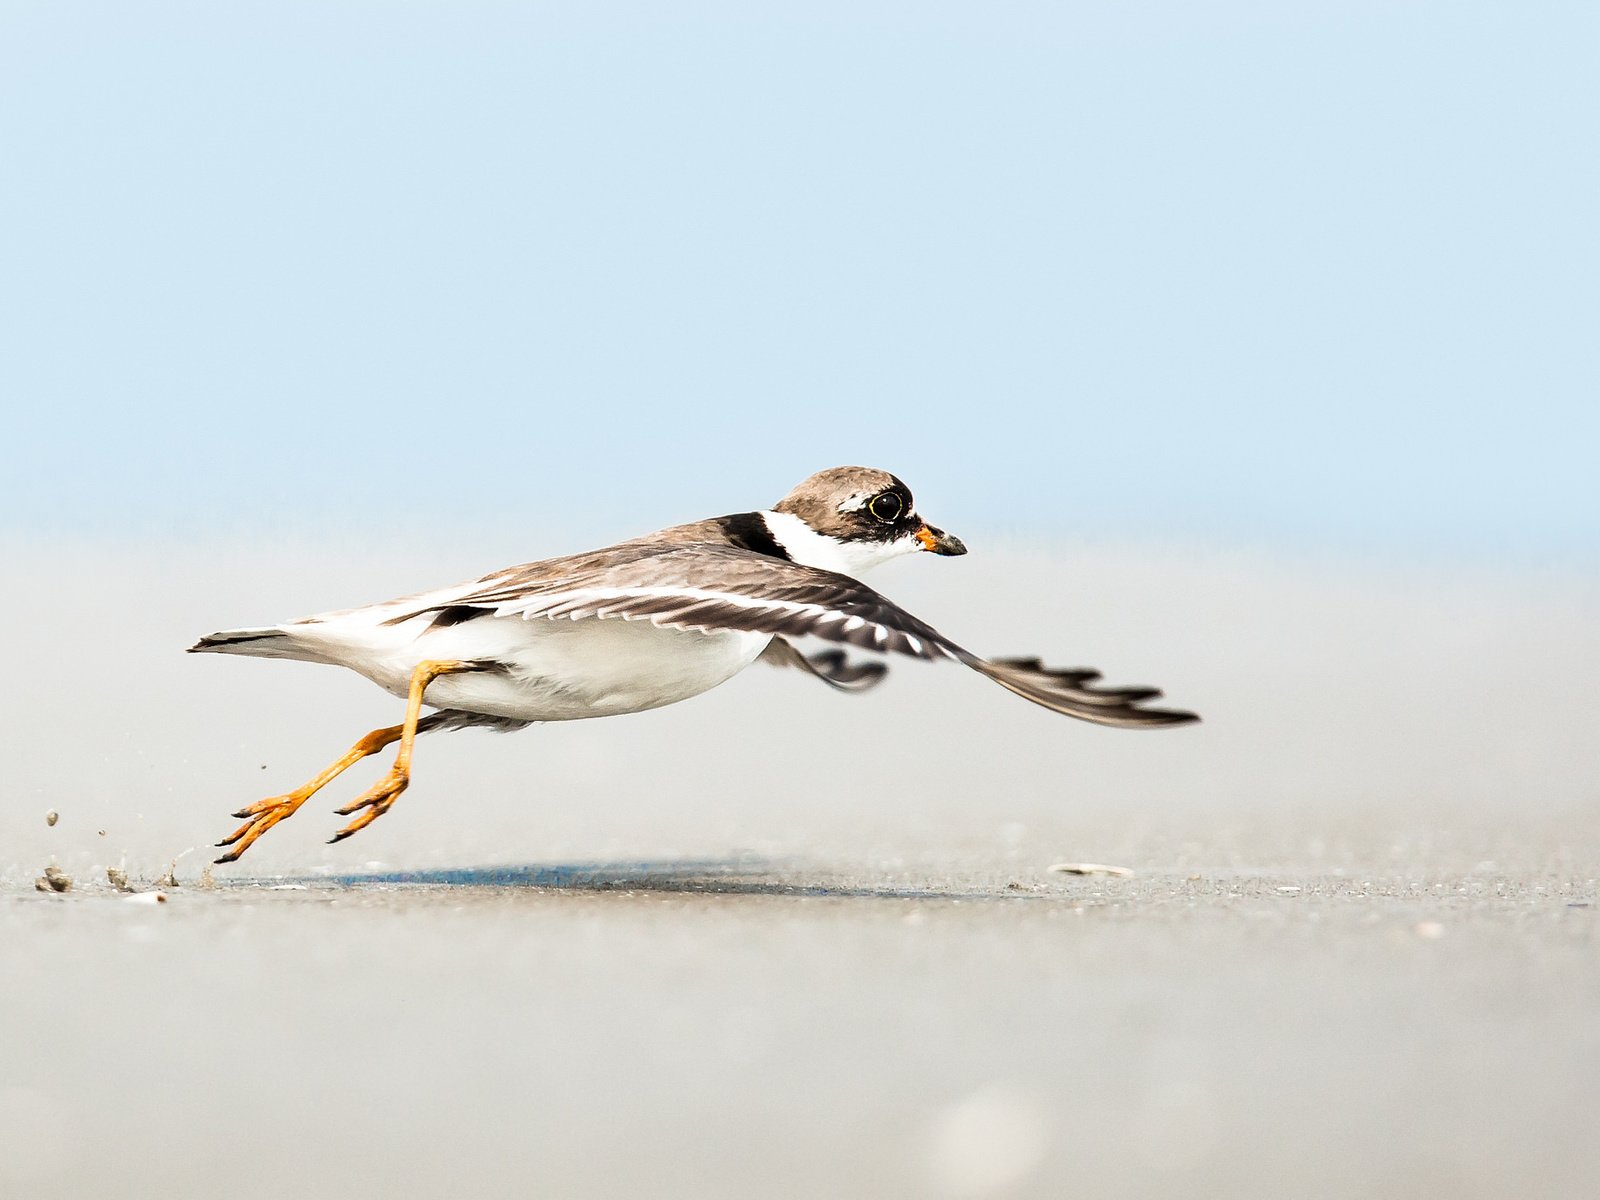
649,622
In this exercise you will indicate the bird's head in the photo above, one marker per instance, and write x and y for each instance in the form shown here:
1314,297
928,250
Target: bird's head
848,519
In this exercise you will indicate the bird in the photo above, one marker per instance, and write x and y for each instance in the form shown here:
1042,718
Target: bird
646,623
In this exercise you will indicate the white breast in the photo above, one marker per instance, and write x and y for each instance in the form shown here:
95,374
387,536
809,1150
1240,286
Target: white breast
558,670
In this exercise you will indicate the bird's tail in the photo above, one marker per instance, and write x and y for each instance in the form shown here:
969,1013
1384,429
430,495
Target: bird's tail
274,641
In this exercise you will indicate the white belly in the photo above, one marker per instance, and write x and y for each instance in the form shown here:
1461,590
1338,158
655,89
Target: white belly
557,670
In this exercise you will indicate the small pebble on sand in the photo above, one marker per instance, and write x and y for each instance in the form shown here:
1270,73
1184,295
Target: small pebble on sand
54,879
1091,869
51,817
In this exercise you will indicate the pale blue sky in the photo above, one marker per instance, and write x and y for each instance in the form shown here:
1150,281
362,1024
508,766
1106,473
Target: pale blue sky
1285,275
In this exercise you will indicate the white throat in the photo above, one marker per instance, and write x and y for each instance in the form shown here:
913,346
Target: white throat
809,548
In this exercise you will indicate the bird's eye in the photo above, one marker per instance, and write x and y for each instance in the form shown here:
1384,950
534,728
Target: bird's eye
887,507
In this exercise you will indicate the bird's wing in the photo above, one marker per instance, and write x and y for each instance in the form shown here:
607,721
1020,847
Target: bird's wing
833,667
1068,692
712,587
718,587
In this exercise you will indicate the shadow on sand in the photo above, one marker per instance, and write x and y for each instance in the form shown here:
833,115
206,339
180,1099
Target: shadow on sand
735,876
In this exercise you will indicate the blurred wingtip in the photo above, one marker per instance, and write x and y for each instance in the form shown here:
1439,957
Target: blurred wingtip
1067,691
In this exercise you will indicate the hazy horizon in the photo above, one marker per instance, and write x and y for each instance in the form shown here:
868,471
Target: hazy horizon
1345,705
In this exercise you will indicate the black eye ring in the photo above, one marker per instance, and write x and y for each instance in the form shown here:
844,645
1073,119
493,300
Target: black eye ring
886,507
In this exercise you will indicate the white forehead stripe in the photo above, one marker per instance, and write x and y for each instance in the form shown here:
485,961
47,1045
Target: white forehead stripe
856,502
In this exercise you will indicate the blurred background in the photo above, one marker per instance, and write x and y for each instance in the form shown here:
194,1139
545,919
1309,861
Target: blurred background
1301,277
1250,347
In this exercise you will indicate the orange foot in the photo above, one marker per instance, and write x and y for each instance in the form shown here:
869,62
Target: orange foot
376,801
264,814
260,817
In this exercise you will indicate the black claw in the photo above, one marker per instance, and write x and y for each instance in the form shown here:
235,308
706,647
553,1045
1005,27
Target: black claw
243,814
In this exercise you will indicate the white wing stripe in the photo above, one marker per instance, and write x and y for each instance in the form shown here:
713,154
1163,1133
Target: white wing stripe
602,602
560,603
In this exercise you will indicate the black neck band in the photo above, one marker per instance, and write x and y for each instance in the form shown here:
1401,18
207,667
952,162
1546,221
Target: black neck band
749,532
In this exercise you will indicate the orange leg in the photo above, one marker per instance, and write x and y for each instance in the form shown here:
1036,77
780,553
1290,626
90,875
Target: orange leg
264,814
378,799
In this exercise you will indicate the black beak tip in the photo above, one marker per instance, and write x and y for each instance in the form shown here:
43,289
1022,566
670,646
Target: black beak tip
941,542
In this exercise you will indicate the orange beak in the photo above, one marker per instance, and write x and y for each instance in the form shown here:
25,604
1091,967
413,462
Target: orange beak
940,542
